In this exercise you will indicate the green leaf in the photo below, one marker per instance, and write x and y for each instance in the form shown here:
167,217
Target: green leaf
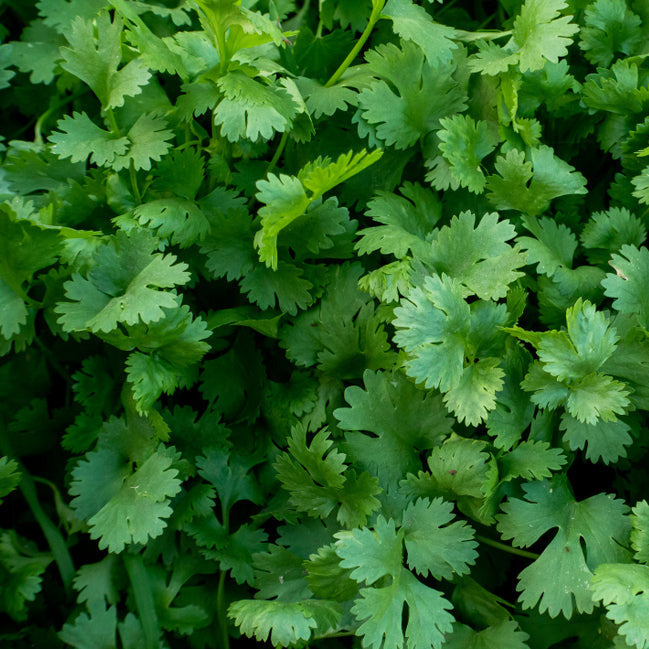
433,546
457,469
407,222
382,612
444,337
21,571
179,220
285,623
316,478
122,505
425,94
640,531
463,143
608,231
149,142
95,57
285,198
230,473
624,590
122,286
605,440
479,255
371,554
504,634
9,476
627,286
531,460
79,138
401,422
610,28
548,176
96,630
589,533
414,23
541,33
252,109
552,247
327,578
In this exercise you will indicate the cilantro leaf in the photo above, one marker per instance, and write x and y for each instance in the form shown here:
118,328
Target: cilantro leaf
9,476
599,523
95,60
504,634
22,574
624,589
284,623
605,440
425,94
317,479
406,222
123,506
627,286
541,33
179,220
550,178
378,553
458,470
479,255
401,420
432,545
640,531
118,288
463,144
414,23
80,138
441,332
252,109
610,27
552,247
285,198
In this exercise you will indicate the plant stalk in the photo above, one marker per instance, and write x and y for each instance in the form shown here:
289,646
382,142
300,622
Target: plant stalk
376,14
507,548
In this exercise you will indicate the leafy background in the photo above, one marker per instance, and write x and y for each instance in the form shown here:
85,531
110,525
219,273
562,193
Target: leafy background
324,323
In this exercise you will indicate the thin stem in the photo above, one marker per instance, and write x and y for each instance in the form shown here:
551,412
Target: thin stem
54,539
376,14
114,127
318,32
506,548
221,612
278,153
469,37
335,634
144,601
134,186
220,593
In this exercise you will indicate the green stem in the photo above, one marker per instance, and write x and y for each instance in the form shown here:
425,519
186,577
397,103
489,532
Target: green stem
221,612
376,14
114,127
54,539
144,601
469,37
506,548
134,186
278,153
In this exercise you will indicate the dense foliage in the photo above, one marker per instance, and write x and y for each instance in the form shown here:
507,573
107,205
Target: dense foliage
324,323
